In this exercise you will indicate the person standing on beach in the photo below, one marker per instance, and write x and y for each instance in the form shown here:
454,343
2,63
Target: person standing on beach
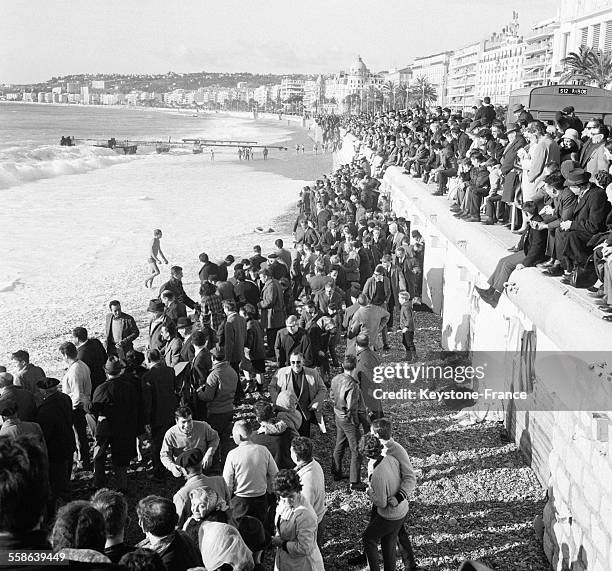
120,331
212,154
154,252
265,153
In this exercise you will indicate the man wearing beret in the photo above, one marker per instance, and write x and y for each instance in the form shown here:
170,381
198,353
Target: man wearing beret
55,420
116,405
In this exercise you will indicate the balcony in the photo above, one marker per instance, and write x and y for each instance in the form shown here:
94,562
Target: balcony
536,48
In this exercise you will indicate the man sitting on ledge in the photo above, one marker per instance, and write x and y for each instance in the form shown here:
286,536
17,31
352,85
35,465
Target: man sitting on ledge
532,250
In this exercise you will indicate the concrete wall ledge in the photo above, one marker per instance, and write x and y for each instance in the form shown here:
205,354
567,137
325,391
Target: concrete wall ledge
565,314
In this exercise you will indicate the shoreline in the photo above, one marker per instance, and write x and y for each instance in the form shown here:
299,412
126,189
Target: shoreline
50,303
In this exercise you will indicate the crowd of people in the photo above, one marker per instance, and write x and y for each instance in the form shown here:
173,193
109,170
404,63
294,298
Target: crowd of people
548,182
264,333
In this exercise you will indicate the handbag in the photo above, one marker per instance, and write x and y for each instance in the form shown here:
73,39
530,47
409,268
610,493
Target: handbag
584,276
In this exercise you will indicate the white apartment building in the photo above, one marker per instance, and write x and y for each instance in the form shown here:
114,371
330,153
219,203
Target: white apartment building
463,76
358,80
500,65
537,66
581,23
98,84
397,76
435,69
85,95
291,88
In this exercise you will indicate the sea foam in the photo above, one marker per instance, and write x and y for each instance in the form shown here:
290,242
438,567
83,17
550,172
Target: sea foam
21,165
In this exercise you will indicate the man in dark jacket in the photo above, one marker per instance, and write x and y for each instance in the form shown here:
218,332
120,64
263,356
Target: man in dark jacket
159,402
27,374
208,269
233,335
175,285
512,176
245,291
116,405
200,369
479,186
589,219
521,115
532,251
292,338
120,331
25,401
92,353
277,443
485,114
55,420
157,518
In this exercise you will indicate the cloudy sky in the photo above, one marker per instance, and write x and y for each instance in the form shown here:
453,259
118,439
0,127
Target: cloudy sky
44,38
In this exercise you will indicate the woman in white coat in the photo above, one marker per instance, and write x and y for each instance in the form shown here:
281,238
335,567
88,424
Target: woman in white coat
296,527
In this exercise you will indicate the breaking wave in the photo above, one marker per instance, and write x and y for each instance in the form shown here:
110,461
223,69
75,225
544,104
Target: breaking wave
20,165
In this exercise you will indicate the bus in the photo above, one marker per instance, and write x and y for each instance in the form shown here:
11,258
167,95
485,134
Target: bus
544,102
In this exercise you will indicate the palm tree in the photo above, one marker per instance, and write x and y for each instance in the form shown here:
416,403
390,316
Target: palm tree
588,66
388,91
423,91
401,95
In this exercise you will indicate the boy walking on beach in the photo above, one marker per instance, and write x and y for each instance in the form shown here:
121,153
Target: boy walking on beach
154,252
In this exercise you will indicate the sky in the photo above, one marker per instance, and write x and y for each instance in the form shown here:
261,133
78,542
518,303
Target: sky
40,39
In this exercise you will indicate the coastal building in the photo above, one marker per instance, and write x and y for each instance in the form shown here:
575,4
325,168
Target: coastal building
434,68
314,94
291,88
73,87
537,65
397,76
500,64
85,95
41,97
98,84
463,76
357,86
581,23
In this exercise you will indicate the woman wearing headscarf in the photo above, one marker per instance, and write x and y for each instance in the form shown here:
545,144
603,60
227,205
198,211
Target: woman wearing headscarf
220,543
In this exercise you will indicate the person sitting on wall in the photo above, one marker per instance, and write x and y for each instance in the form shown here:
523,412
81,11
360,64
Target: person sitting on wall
532,250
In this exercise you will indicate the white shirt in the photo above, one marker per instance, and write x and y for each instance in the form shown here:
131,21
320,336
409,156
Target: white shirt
76,383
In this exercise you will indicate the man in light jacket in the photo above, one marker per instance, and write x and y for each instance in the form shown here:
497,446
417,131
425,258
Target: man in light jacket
306,384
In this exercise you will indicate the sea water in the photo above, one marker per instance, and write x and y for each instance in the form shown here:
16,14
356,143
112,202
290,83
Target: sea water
76,222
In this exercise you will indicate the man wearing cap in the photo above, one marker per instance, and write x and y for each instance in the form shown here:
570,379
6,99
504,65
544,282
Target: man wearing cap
219,394
575,122
55,420
485,114
187,434
521,115
590,212
175,285
76,383
275,267
307,386
190,463
289,339
159,402
116,405
25,401
120,331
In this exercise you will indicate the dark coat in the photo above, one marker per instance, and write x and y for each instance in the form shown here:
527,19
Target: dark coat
590,212
92,353
246,292
117,401
272,305
176,287
25,401
207,270
234,337
286,344
254,342
159,396
55,420
364,373
129,332
279,446
533,243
